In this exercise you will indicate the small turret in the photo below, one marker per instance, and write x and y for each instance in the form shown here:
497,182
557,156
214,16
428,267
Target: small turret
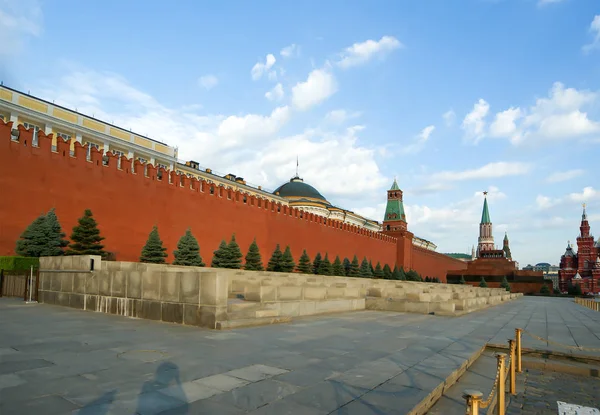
395,217
506,247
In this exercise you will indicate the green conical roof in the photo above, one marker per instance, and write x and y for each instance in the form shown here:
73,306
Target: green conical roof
394,209
485,216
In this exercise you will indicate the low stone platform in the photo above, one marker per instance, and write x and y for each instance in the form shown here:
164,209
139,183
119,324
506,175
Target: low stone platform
71,361
224,298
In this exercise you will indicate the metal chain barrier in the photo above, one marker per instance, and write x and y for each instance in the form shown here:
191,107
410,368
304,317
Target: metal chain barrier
566,346
488,401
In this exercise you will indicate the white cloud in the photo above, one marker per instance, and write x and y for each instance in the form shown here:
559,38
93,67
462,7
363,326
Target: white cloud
319,86
19,19
449,117
340,116
249,145
360,53
261,68
474,122
563,176
595,30
419,141
290,51
275,94
588,194
560,116
504,123
208,81
490,170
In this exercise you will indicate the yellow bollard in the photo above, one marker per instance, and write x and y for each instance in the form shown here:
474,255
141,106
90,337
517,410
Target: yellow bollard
518,337
473,398
513,376
501,405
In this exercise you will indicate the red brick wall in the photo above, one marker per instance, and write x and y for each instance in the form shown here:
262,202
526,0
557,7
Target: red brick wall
127,205
433,264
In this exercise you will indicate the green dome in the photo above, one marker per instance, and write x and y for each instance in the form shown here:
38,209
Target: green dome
296,188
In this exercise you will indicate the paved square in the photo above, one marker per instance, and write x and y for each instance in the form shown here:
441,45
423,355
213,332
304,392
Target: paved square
60,361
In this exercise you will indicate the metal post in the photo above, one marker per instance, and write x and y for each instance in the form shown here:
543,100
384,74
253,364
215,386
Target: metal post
30,282
513,376
501,405
518,338
473,398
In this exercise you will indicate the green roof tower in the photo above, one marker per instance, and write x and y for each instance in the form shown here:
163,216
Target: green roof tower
395,218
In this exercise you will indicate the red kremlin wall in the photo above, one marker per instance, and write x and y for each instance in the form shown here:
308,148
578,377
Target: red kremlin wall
127,202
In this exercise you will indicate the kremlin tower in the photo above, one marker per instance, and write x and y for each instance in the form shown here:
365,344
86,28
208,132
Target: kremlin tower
583,267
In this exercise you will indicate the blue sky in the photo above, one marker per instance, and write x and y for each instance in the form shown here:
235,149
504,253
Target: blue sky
451,97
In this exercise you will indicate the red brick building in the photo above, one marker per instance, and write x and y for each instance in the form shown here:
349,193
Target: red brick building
581,268
494,264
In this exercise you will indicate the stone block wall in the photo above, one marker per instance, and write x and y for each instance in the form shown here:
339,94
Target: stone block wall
186,295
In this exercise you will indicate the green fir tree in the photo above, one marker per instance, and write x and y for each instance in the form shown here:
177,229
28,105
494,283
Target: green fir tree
482,283
188,251
317,262
346,265
354,270
413,275
378,273
154,252
55,236
365,269
427,279
253,258
220,256
325,267
462,280
504,284
85,239
545,290
387,272
338,267
33,241
275,261
287,261
234,255
371,267
304,264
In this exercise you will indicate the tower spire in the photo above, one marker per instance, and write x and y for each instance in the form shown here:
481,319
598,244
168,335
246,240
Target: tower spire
485,214
395,217
297,164
486,237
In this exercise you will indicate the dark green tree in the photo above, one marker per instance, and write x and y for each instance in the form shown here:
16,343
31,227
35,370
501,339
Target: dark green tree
317,263
482,283
275,261
402,274
154,252
396,273
304,265
325,267
365,269
504,284
33,241
545,290
372,269
85,239
354,270
378,273
234,255
387,272
338,267
188,251
427,279
220,256
54,235
462,280
346,265
253,258
437,280
413,275
287,261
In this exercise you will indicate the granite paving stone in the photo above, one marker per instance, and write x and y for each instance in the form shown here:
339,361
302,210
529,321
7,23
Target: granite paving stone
363,362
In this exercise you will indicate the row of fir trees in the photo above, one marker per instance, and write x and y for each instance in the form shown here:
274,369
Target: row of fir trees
44,237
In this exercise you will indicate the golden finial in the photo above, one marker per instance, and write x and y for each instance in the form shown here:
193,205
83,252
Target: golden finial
583,205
